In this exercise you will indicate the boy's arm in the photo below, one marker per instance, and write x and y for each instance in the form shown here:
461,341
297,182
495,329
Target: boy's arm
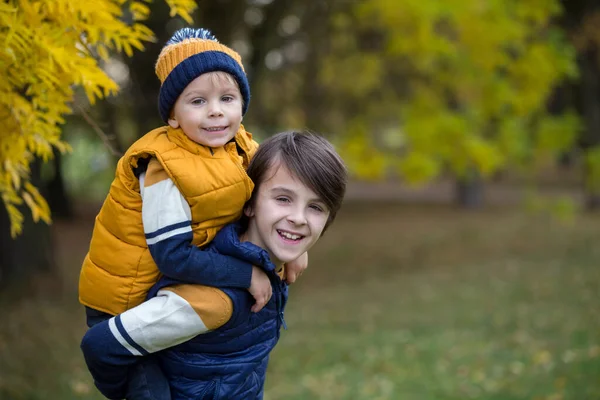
167,223
177,314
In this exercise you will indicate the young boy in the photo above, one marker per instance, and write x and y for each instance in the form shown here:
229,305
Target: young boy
174,189
222,351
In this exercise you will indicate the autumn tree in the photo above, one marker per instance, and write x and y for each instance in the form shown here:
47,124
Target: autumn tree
454,85
582,20
51,51
422,88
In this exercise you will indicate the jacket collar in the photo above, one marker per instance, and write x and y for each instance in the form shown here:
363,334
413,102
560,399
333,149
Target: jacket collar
228,242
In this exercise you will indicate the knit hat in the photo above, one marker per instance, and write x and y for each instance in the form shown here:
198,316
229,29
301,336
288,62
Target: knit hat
187,55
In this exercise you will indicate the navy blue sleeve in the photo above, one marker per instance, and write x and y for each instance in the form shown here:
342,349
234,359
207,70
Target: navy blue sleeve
177,258
107,360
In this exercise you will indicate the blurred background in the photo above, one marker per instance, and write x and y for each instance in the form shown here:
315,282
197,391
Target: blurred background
465,261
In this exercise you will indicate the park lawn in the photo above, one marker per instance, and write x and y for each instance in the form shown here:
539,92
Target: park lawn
399,302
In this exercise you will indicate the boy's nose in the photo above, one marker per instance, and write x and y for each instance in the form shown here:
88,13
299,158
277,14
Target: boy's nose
297,216
215,110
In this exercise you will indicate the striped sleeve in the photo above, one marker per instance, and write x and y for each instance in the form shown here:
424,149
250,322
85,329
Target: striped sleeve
177,314
166,216
165,213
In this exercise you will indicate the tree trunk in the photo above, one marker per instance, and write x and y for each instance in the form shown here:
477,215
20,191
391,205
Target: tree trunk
31,252
263,38
57,197
469,191
314,97
222,18
593,201
590,93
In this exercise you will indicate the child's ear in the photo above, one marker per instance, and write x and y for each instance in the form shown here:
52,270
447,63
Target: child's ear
249,211
173,123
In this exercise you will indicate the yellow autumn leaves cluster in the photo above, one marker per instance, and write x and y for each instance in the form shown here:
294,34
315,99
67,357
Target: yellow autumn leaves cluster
460,85
51,48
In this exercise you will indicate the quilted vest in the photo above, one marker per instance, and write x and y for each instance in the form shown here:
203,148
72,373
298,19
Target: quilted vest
118,270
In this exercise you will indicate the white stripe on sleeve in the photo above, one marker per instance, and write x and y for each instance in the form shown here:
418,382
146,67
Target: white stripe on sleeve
163,206
161,322
115,331
168,234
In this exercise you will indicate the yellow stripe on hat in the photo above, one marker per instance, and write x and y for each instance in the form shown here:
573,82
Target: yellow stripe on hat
172,55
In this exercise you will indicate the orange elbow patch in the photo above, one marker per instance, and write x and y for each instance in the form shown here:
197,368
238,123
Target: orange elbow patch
213,306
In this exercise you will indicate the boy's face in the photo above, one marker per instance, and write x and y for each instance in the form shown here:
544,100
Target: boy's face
287,217
209,110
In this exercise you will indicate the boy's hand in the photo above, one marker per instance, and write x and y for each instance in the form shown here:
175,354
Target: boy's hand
295,268
260,288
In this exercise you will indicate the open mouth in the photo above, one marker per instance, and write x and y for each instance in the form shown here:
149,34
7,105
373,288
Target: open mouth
215,129
289,237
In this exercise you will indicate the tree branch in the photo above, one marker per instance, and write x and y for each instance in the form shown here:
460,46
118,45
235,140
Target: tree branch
106,139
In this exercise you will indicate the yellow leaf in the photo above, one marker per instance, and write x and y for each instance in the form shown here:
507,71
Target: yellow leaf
47,48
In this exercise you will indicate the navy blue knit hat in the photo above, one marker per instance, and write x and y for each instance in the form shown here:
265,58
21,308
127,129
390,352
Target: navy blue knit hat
187,55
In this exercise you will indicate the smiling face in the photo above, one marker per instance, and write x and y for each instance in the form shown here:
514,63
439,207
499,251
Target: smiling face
209,110
286,217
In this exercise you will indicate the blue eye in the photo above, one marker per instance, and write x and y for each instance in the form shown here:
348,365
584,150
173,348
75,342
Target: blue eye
198,101
283,199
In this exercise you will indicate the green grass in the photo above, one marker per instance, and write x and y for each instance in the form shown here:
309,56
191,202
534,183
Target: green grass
399,302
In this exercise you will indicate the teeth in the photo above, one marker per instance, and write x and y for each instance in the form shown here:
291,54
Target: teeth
290,236
218,128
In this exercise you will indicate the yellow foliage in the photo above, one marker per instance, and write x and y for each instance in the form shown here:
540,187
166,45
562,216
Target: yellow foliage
555,133
359,74
49,48
183,8
469,80
417,167
362,157
483,155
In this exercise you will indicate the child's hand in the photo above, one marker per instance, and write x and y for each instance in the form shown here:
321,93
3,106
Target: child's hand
260,289
295,268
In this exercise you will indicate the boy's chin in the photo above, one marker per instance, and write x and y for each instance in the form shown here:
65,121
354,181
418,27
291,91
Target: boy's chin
286,258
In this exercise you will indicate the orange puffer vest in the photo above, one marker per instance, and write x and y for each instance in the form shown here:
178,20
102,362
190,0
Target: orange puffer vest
118,270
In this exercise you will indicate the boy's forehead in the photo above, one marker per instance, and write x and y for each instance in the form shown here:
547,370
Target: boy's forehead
280,178
211,80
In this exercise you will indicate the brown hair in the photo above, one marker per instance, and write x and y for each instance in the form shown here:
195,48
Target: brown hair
309,157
